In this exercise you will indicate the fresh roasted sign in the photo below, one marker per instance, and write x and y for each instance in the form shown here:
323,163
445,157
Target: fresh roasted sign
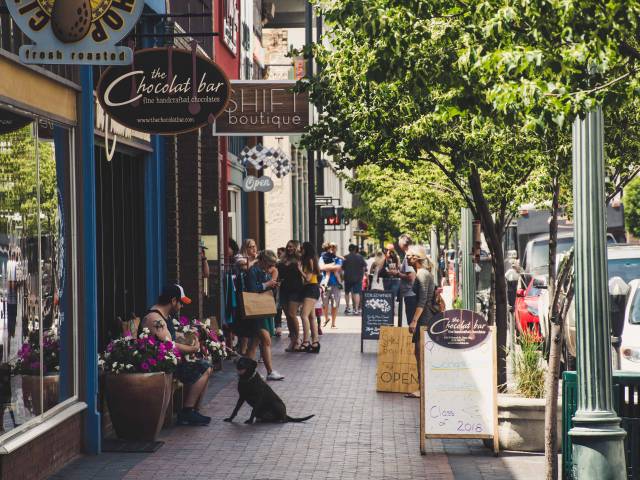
264,107
80,32
167,91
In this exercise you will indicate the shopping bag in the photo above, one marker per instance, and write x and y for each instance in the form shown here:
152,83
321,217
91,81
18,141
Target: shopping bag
258,305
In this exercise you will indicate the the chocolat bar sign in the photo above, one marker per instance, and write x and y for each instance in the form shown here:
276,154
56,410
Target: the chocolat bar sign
458,329
79,32
165,91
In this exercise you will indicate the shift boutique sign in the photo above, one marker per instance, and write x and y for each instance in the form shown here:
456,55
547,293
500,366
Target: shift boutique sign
80,32
166,91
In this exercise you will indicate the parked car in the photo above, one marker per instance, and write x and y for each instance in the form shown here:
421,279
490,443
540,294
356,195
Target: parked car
630,348
526,309
624,262
535,259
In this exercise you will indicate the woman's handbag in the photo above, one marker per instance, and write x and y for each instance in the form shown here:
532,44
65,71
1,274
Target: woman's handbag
437,305
258,305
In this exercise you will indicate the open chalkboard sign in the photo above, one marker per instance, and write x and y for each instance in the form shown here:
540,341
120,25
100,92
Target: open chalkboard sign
377,310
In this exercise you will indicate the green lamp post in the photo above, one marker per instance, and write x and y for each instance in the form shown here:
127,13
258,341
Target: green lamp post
598,449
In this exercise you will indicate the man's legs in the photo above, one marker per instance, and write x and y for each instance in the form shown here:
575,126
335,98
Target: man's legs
195,390
335,294
356,301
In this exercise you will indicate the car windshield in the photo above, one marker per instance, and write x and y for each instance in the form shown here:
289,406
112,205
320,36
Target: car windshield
540,252
537,285
626,268
634,313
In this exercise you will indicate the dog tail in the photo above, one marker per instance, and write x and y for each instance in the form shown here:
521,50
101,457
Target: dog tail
303,419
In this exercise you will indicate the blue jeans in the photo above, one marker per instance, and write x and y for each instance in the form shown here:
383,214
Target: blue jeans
410,307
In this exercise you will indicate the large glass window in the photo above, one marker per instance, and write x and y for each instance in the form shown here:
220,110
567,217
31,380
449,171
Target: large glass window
37,350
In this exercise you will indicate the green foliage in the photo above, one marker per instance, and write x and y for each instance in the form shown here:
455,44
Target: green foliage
632,207
18,193
528,371
396,201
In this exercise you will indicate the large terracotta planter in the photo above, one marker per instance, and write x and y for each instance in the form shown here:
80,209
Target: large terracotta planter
31,392
137,403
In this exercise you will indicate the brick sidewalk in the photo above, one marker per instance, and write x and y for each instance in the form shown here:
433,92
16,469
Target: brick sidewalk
356,433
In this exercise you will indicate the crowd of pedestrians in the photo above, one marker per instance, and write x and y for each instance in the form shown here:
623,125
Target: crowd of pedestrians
307,287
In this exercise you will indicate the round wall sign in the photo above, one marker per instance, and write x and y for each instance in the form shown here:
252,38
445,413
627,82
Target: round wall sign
458,329
165,91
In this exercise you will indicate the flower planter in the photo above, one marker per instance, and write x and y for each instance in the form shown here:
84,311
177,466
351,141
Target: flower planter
137,403
31,392
521,423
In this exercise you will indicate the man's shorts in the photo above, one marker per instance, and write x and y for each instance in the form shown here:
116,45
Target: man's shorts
331,293
353,287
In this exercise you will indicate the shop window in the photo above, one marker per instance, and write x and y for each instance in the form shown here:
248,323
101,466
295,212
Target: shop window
37,328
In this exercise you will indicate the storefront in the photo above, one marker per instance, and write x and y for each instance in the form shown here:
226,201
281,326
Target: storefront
40,392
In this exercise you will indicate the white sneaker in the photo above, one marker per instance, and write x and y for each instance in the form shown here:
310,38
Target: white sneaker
275,376
347,311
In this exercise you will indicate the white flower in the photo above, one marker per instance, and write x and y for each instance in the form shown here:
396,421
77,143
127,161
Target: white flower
129,366
136,352
114,365
57,367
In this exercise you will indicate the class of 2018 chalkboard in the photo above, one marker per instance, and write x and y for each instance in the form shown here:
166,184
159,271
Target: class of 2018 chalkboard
459,386
377,310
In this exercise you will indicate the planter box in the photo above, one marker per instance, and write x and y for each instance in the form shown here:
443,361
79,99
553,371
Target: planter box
521,423
137,403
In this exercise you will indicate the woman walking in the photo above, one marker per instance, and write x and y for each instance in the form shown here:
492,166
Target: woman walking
291,295
424,287
261,329
311,294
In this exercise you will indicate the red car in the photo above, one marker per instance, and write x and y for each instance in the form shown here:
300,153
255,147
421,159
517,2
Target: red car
526,307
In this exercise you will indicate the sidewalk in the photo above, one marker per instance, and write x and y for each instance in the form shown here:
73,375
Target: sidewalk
356,433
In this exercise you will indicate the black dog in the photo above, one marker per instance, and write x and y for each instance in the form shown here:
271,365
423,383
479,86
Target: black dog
266,404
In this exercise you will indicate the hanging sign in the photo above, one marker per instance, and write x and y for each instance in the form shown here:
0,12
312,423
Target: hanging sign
257,184
166,91
263,108
77,32
459,385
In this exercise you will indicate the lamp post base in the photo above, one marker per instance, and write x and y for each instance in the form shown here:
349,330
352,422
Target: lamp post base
598,447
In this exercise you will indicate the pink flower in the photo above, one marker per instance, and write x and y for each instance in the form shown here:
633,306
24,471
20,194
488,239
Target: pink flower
152,362
151,341
184,321
144,366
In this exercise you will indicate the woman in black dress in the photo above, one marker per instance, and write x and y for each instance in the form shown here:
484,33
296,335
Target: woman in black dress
291,291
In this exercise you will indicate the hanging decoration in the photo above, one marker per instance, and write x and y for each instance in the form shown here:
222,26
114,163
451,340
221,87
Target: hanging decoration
261,157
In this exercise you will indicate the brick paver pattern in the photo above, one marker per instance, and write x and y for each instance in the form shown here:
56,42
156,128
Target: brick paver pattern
356,433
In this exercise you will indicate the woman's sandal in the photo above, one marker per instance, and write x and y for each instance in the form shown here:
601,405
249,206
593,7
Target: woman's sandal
303,347
314,348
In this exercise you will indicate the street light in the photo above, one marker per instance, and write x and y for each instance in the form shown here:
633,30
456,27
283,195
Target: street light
598,448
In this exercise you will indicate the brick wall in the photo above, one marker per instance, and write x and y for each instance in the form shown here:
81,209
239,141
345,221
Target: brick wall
46,454
192,200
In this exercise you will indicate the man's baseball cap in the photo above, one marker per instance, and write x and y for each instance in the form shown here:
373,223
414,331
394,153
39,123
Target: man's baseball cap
176,291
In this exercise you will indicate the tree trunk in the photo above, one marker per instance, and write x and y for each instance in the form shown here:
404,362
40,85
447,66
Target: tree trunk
555,350
493,233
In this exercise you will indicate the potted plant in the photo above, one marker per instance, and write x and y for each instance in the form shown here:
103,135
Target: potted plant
212,345
28,366
521,412
138,379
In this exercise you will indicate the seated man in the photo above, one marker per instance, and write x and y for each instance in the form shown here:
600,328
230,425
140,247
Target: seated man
194,375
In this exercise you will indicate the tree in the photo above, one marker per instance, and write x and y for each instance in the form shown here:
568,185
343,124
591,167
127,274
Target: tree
632,207
415,200
392,93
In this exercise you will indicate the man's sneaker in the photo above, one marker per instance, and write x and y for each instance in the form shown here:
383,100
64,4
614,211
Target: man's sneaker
347,311
203,417
275,376
191,417
357,312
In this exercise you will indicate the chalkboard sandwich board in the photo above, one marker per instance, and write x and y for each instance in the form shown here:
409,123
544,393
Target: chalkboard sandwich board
459,385
377,310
